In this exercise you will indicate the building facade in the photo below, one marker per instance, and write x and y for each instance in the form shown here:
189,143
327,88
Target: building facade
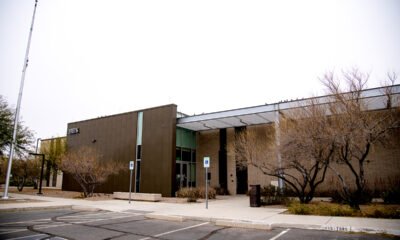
168,147
53,149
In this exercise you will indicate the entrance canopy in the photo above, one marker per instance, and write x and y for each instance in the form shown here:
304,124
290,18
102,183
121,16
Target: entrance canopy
375,98
229,118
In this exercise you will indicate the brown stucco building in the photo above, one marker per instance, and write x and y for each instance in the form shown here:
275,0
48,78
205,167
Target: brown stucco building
168,147
146,136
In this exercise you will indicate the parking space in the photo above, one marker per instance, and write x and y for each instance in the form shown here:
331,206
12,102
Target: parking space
69,224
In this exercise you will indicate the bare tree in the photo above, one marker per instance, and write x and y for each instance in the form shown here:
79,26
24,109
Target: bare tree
357,128
87,169
306,149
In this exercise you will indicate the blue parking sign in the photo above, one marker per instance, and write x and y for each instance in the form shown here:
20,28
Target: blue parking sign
206,161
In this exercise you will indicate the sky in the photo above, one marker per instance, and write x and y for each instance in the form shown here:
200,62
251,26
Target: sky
92,58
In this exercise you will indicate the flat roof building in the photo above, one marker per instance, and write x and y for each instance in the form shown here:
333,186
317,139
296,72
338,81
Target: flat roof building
168,147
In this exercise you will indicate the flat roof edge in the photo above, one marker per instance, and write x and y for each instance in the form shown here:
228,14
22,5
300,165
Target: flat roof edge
367,93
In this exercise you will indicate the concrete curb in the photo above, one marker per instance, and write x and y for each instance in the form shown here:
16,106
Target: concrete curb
394,232
24,209
165,217
267,226
85,208
334,228
72,207
243,224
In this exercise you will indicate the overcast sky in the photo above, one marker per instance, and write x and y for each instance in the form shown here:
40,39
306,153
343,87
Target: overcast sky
96,58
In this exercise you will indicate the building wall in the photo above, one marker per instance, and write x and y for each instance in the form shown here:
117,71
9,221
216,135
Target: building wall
231,162
382,169
207,146
265,137
114,137
158,156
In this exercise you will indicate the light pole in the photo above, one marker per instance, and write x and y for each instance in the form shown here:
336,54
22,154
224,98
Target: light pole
36,151
17,110
41,171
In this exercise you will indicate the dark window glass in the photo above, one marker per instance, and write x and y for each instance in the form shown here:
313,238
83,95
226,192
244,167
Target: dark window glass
186,155
193,156
137,176
178,154
139,152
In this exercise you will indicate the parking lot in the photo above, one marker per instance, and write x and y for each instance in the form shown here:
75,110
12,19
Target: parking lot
70,224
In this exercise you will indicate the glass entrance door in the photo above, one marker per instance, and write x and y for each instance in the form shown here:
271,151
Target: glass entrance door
182,174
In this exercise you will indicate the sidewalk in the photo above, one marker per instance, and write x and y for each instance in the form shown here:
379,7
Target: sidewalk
227,211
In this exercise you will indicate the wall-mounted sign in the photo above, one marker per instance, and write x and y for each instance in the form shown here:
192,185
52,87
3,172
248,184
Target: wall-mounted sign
72,131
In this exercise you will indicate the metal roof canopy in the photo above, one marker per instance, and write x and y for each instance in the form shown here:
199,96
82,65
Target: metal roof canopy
267,113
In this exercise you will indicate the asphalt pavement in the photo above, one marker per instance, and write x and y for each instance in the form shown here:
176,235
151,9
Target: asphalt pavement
130,224
226,212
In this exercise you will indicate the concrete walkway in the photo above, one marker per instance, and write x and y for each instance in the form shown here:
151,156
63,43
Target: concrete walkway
227,211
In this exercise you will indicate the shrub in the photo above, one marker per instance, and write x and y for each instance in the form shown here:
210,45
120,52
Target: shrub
323,209
192,194
336,197
272,195
340,210
381,211
299,208
392,195
211,192
333,209
352,197
221,191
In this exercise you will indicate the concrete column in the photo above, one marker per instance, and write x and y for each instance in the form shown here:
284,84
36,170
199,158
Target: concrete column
278,141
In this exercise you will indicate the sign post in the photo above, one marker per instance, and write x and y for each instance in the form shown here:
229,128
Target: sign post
206,161
131,167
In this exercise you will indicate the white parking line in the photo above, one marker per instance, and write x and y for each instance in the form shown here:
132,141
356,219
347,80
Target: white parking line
93,216
280,234
174,231
44,223
30,236
14,231
32,221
